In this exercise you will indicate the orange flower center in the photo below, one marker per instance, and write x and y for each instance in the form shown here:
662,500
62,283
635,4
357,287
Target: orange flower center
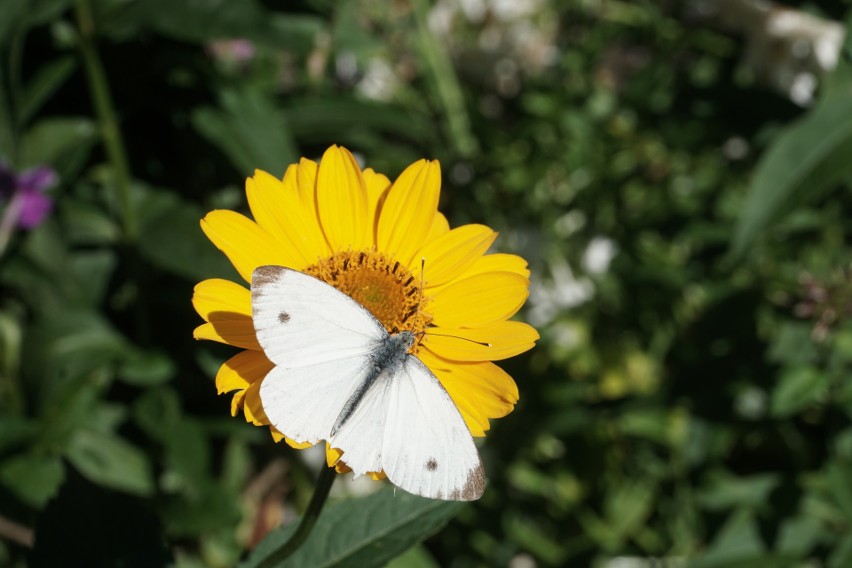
380,284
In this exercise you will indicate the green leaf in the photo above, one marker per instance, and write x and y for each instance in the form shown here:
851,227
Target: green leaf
71,343
725,491
174,240
841,556
321,118
797,389
15,431
202,21
18,15
44,84
364,532
53,139
110,461
414,557
810,156
33,478
792,344
737,541
146,368
86,223
799,535
250,130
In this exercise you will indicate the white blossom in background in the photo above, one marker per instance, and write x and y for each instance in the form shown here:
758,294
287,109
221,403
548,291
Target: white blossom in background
598,255
510,38
563,290
379,82
787,49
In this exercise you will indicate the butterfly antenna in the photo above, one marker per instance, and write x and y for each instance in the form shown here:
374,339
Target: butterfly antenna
420,292
483,343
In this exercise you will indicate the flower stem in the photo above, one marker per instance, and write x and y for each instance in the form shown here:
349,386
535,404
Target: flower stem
105,112
439,65
10,219
309,519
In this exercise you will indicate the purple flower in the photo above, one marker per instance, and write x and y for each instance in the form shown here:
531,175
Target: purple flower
35,205
23,200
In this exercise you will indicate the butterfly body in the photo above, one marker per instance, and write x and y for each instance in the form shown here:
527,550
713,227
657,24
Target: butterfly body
339,376
387,360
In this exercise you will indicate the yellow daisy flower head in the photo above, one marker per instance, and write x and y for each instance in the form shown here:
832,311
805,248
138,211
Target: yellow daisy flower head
385,245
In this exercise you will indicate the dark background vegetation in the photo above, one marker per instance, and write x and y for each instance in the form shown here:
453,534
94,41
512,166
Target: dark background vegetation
684,209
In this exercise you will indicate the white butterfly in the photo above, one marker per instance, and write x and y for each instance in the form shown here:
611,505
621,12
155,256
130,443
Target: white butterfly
340,377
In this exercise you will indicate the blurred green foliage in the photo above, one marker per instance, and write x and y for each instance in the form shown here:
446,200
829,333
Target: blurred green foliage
689,403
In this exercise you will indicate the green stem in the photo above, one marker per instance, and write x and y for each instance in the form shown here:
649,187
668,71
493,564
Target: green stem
440,66
105,112
309,519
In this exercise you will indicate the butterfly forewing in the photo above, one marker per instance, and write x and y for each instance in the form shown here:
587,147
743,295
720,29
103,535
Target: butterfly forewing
301,321
427,448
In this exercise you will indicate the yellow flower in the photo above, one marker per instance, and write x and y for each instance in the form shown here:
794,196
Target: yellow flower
369,238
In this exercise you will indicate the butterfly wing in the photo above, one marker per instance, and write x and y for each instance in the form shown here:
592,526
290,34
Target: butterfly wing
320,341
304,403
301,321
427,448
360,437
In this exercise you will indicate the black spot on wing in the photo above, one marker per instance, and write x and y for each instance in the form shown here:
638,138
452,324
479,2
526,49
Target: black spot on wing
432,464
283,317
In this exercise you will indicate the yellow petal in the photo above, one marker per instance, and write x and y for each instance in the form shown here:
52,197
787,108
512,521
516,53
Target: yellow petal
242,370
479,300
306,179
377,186
449,255
480,390
332,455
238,332
485,380
301,181
409,211
253,408
491,343
289,442
498,262
440,226
246,244
237,402
215,296
279,212
342,201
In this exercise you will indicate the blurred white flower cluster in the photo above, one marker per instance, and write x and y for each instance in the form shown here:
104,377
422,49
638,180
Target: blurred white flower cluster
787,49
504,39
566,290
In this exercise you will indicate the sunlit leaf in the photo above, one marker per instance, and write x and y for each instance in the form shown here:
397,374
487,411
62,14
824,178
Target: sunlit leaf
388,523
809,157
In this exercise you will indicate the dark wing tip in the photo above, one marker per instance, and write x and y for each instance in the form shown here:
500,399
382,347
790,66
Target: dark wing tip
265,274
475,484
473,487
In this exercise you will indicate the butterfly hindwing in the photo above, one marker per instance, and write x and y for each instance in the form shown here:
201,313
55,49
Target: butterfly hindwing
301,321
360,437
427,448
304,403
